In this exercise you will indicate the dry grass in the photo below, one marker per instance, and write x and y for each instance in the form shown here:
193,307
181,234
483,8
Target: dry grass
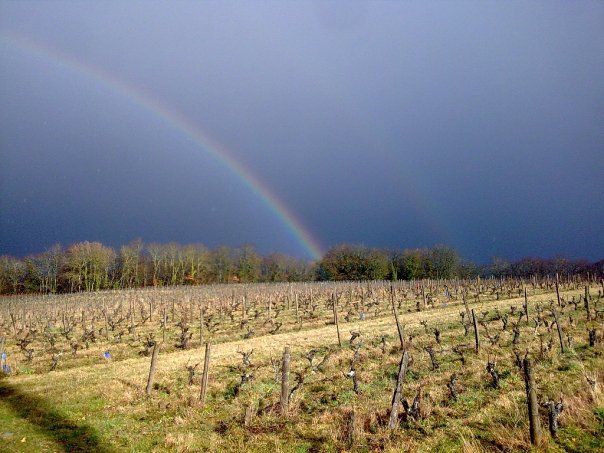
107,398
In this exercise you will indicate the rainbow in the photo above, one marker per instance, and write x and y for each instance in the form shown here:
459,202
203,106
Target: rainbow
180,123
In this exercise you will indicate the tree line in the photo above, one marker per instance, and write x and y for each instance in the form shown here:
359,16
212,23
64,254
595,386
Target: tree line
357,262
92,266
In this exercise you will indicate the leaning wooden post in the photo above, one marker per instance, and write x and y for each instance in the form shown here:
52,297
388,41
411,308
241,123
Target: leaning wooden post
204,378
559,330
152,369
533,407
285,381
335,318
558,292
476,335
401,332
396,396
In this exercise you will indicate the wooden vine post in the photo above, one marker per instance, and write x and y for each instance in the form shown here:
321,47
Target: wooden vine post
204,378
106,321
244,306
270,307
335,318
559,330
526,309
465,304
152,369
285,381
396,396
297,307
586,301
164,326
132,324
476,334
423,297
200,323
400,329
533,407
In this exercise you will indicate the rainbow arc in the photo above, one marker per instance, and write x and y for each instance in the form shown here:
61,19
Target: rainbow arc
179,122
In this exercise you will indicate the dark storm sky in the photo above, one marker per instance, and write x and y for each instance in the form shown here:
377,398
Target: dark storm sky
400,124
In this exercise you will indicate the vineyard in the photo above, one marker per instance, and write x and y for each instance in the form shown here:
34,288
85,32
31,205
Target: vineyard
431,365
